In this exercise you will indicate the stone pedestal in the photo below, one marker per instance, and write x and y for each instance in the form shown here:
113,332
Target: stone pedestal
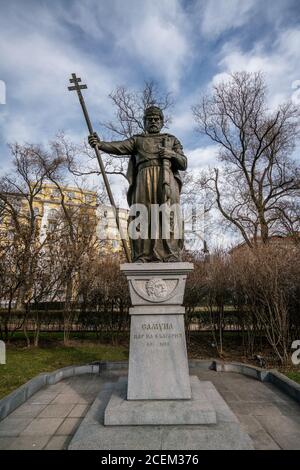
92,434
160,408
158,366
122,412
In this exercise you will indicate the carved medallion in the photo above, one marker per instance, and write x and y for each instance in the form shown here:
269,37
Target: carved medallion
156,288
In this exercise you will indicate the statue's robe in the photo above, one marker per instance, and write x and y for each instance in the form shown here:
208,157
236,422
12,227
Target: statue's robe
145,175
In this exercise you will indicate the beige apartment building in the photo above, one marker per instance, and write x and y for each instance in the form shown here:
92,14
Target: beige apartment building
48,206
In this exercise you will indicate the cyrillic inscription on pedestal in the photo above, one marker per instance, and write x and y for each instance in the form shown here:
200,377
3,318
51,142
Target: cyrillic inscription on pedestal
158,367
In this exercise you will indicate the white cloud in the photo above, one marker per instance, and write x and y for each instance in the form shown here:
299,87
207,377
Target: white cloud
39,52
202,157
162,47
154,33
37,65
183,121
88,16
222,15
280,64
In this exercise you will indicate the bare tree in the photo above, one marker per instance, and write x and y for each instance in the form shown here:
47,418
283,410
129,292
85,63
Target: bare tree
288,218
130,107
18,193
73,240
21,244
258,175
75,244
37,265
265,279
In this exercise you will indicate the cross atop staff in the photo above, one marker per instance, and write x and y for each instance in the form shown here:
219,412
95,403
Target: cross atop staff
75,80
77,87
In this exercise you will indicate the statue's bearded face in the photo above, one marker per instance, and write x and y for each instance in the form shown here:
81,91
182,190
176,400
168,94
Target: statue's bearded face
153,123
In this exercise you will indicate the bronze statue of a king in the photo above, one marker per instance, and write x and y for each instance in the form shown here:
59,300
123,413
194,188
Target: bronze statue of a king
154,181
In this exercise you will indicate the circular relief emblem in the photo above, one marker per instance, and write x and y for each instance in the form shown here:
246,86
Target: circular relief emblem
156,288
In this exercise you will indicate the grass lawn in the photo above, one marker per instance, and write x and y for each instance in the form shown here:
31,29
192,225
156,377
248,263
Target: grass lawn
294,375
23,364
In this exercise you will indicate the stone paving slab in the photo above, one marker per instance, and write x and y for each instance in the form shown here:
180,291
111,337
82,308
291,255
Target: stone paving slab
29,443
57,410
252,408
69,426
58,443
263,441
261,438
5,442
283,429
43,396
11,426
288,441
255,417
42,426
29,410
73,398
79,411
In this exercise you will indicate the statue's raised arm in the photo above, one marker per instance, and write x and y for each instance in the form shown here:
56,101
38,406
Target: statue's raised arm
116,147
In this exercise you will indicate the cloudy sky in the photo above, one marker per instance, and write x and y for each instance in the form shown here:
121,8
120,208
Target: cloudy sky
185,45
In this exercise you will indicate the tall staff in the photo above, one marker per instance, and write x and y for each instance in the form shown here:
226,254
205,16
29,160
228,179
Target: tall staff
78,88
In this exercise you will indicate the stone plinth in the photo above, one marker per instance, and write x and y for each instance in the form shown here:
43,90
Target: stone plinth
158,367
122,412
226,434
156,283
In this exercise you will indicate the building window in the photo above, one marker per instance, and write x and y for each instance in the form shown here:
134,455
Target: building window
89,198
55,192
71,195
52,226
53,214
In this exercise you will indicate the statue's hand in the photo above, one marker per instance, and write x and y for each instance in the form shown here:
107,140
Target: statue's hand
93,139
166,153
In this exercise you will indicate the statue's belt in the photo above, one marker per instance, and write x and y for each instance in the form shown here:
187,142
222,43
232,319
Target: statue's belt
148,163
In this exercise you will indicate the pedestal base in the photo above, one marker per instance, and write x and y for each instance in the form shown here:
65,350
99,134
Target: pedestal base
122,412
226,434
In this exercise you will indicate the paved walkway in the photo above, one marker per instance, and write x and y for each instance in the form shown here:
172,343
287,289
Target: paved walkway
49,419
